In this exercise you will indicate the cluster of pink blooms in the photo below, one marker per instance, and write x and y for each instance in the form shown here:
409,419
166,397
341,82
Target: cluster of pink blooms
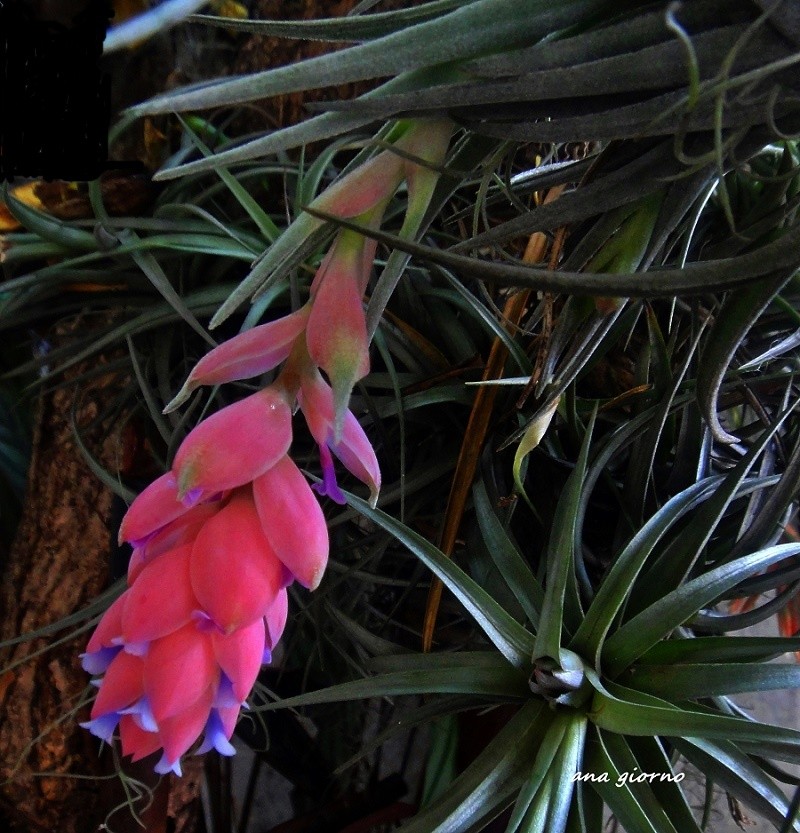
218,538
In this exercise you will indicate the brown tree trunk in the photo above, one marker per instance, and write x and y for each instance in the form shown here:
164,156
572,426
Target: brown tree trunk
57,564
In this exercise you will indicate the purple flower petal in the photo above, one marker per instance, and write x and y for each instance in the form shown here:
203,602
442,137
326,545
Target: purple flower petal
103,727
215,737
96,662
164,766
142,715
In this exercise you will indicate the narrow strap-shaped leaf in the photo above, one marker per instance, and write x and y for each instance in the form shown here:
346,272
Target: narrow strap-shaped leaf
651,757
463,33
336,29
629,182
738,774
654,117
693,278
48,228
603,775
616,584
655,622
486,660
652,68
740,310
156,275
628,33
536,777
265,225
513,641
680,556
497,771
626,762
567,765
719,649
516,572
769,515
560,557
494,682
691,681
611,712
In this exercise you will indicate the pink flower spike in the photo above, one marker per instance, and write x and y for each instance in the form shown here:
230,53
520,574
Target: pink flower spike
353,449
234,572
292,520
177,670
248,354
210,459
161,600
153,509
239,656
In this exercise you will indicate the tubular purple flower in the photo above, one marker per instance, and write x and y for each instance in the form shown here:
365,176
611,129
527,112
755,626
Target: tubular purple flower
353,449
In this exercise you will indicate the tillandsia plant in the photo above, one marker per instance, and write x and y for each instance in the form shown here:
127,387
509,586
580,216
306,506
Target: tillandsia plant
218,538
647,372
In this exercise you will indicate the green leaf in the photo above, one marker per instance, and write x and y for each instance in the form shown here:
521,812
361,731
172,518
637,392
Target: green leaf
676,561
512,566
615,709
740,310
712,649
618,794
486,660
541,767
693,278
724,764
156,275
690,681
616,585
465,32
490,779
440,767
467,679
336,29
568,761
659,619
560,557
48,228
268,229
509,637
651,756
626,762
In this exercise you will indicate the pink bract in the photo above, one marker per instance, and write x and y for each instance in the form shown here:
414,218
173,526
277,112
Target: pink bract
233,446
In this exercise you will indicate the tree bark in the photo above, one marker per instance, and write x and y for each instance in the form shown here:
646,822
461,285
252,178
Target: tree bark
58,563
